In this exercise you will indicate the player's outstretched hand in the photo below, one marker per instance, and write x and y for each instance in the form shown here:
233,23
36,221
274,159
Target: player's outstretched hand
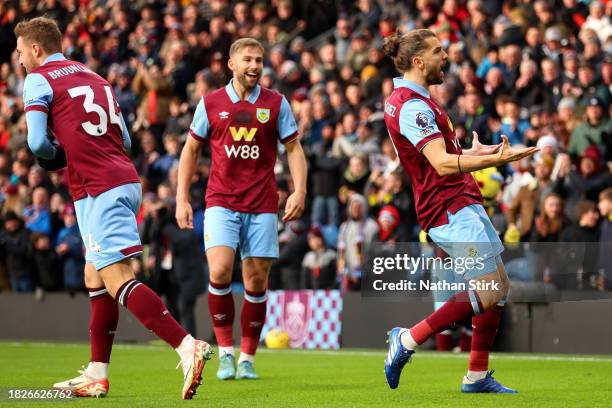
184,215
294,207
479,149
508,154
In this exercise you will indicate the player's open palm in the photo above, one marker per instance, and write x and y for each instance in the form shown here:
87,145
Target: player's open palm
294,207
482,149
184,215
509,154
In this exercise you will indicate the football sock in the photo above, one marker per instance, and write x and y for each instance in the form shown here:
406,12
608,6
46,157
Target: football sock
444,341
407,340
465,339
246,357
103,319
97,371
458,307
149,309
484,330
252,318
226,350
186,348
473,376
221,309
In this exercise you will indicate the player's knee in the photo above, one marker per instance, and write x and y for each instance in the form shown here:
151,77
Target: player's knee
499,291
115,275
220,273
256,282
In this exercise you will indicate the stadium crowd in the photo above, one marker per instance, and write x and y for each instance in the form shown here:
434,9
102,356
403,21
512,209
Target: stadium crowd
539,72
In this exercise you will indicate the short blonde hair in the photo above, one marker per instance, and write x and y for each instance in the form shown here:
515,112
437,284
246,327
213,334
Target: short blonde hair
43,31
242,43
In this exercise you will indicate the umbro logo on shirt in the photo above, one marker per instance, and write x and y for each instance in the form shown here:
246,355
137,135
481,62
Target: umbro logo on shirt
223,115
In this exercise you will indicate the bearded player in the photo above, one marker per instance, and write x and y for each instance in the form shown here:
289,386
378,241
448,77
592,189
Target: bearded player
80,111
243,123
449,207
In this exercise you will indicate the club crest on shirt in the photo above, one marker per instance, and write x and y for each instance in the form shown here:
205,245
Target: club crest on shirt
263,115
421,120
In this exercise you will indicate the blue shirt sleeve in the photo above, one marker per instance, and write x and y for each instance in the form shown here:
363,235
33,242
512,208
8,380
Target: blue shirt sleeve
127,142
37,93
418,123
286,126
38,141
37,97
199,124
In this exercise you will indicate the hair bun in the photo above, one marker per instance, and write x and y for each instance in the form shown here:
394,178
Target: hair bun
391,45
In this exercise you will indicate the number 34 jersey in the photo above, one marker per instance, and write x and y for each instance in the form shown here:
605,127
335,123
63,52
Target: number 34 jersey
83,115
243,137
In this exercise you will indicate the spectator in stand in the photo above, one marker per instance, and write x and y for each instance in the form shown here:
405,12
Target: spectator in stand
357,174
354,240
604,264
389,235
15,239
325,175
513,126
319,264
37,217
188,268
476,117
551,221
179,119
160,168
70,250
48,275
596,129
598,21
586,181
293,245
589,86
154,90
522,211
552,84
342,35
577,267
365,143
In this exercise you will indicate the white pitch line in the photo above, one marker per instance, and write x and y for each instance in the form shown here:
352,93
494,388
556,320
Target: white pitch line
340,353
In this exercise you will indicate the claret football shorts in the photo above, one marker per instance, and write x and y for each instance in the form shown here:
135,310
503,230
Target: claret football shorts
255,234
108,225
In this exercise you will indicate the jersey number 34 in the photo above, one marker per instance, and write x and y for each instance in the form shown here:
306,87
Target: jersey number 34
90,106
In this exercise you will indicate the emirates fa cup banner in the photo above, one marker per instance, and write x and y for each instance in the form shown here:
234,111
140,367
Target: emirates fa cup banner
311,318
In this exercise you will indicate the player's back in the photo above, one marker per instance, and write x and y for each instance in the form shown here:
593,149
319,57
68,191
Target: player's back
85,118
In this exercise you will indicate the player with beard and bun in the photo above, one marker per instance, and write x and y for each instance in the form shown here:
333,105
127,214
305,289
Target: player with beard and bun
243,122
79,109
449,207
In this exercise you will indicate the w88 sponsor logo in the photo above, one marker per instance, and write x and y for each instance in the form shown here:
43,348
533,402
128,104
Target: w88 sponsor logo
242,151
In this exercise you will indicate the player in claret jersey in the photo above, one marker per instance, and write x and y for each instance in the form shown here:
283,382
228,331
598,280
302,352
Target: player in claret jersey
243,123
78,108
448,205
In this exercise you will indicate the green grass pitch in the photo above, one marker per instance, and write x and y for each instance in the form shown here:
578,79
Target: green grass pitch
144,376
